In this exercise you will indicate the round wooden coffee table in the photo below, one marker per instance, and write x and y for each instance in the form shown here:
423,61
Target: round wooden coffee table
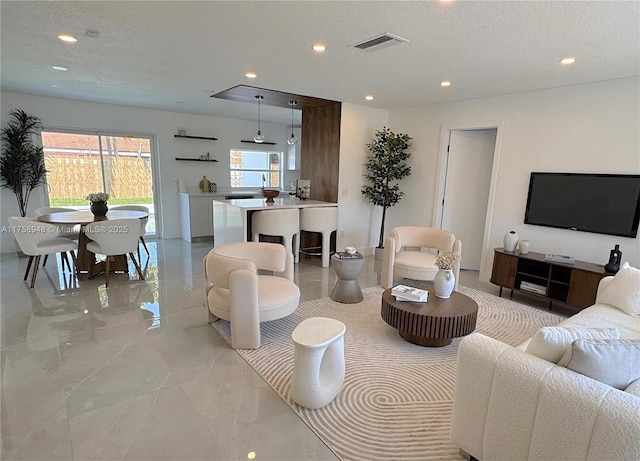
434,323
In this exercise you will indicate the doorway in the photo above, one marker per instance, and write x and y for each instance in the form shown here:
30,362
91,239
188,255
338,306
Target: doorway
465,189
118,164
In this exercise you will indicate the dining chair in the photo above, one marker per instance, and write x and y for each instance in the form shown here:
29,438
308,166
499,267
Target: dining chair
143,222
70,232
113,238
36,238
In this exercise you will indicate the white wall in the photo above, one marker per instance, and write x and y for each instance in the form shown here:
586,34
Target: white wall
591,128
357,219
61,113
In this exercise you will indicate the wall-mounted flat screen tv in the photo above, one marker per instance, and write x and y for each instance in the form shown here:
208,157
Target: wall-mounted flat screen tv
600,203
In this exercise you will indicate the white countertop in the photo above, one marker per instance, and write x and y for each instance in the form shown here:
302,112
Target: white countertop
284,202
220,194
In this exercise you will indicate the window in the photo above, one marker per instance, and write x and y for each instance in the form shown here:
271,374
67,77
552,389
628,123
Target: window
256,169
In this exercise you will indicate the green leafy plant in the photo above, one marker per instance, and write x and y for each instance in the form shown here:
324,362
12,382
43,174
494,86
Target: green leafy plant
385,166
22,166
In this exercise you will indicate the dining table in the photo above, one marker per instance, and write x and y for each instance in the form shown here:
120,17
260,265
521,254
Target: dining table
87,262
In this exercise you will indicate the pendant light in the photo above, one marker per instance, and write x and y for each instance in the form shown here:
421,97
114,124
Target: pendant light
292,140
258,137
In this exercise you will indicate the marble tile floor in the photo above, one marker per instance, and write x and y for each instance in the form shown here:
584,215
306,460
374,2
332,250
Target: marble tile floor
134,372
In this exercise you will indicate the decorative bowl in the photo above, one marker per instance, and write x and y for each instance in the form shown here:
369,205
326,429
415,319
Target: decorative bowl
270,194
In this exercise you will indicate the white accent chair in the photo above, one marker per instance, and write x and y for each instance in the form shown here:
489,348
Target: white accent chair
143,222
235,292
404,254
69,232
318,364
278,223
36,238
323,220
114,237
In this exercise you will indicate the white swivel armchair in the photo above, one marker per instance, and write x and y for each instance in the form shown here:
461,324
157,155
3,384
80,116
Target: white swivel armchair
235,292
404,254
114,237
36,238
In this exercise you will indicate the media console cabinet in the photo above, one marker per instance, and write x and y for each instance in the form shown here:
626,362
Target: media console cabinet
573,284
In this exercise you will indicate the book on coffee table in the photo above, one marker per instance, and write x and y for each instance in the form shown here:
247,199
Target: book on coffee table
406,293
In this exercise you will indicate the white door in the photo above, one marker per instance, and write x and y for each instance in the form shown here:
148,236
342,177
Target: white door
466,195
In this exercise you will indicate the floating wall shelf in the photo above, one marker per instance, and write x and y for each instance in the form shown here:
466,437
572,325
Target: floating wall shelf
197,159
265,142
194,137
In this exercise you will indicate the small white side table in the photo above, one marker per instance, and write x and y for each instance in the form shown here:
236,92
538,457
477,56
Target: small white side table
318,365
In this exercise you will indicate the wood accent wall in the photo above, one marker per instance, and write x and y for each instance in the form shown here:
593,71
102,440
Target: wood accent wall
320,150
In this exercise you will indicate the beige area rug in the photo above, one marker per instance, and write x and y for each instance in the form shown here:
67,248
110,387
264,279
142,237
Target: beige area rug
397,397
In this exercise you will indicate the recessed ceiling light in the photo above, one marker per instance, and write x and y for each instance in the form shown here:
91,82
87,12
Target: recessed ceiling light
445,83
54,86
319,47
67,38
60,68
368,97
251,75
568,60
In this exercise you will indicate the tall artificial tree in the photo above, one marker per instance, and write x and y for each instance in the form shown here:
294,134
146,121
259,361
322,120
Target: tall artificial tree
385,166
22,167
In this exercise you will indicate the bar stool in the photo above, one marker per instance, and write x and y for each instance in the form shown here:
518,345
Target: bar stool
278,223
323,220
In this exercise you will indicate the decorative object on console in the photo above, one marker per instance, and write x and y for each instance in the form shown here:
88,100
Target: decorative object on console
523,246
510,241
205,185
615,258
560,258
385,166
303,188
98,203
444,280
350,250
270,194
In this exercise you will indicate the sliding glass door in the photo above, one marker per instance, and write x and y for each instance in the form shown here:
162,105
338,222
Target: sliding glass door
80,163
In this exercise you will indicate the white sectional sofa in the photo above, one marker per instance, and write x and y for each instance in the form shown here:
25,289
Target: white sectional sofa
510,405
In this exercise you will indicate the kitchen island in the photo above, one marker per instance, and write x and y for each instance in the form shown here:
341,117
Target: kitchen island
232,218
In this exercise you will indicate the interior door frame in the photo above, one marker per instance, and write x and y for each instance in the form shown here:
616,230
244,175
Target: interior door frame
441,181
155,173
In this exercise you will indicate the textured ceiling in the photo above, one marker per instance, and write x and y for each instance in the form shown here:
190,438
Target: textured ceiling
155,54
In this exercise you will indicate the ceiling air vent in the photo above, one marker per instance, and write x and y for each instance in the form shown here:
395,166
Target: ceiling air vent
380,41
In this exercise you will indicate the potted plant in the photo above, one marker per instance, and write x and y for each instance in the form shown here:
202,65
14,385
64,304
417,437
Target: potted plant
22,166
385,166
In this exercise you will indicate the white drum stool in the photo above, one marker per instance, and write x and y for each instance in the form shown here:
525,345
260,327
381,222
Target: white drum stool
318,365
283,223
323,220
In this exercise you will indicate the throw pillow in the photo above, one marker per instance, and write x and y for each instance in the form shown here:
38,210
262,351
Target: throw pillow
623,292
550,343
634,388
615,362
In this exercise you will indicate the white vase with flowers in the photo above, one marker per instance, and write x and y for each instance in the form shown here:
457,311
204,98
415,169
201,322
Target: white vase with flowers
444,280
